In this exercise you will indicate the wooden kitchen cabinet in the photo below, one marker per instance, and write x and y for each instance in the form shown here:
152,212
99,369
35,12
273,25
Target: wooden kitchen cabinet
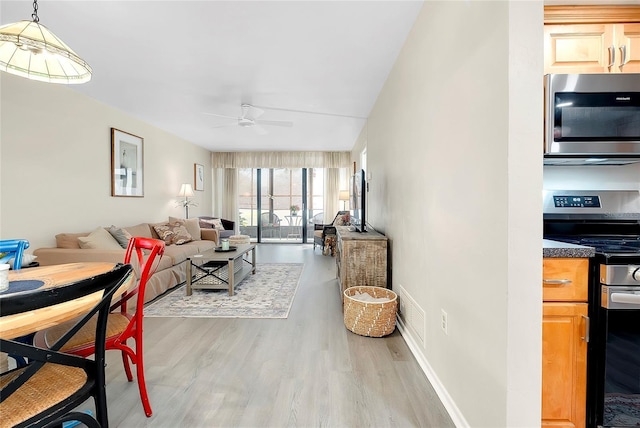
592,48
564,364
592,39
565,326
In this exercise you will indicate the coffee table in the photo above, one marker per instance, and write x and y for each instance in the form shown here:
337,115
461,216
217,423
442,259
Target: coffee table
219,270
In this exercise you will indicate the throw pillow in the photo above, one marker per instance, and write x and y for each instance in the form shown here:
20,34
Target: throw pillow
215,222
120,235
99,239
342,220
192,225
173,233
69,240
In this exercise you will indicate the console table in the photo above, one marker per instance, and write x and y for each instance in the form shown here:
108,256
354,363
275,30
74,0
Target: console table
361,258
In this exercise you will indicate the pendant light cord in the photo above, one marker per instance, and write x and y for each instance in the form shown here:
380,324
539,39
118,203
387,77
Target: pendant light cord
34,15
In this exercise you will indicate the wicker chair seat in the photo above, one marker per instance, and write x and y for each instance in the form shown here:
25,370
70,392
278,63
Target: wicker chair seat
85,338
121,324
51,385
48,390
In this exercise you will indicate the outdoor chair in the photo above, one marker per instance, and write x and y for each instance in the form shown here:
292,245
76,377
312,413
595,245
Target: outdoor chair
122,325
321,231
270,223
46,392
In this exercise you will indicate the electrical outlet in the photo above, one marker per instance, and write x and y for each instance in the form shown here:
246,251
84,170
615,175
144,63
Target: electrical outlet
444,322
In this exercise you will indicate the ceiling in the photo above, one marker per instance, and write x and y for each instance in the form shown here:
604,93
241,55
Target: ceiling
318,64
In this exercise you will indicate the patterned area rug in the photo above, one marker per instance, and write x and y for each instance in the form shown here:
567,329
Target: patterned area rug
267,294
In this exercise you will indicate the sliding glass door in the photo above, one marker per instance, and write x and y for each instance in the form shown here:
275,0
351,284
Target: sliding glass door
279,204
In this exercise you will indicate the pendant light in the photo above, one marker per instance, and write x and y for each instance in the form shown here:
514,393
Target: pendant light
30,50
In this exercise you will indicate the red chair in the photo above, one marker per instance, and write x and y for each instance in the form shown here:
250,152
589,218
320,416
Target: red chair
121,325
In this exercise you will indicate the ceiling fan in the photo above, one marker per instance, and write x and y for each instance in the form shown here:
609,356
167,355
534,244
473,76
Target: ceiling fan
249,119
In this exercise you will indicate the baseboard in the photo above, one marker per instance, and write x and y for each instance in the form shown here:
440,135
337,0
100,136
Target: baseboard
454,412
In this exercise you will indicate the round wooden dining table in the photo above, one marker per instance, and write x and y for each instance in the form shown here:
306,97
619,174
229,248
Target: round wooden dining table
23,323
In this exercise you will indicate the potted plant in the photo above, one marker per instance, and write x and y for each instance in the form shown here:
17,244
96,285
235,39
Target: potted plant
294,209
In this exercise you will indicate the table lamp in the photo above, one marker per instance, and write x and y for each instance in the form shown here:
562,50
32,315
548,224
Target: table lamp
344,196
186,192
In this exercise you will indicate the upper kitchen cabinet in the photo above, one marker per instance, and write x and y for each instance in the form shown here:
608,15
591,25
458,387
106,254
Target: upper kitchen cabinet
592,39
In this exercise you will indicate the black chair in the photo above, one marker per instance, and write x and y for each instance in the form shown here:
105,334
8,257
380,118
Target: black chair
46,392
270,223
209,223
321,231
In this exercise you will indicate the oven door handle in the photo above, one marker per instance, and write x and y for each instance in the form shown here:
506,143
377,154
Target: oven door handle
633,299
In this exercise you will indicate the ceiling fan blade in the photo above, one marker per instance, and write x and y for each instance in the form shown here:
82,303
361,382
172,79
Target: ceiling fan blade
314,112
221,115
226,125
283,123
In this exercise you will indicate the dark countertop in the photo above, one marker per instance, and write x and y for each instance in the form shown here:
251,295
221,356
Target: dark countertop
562,249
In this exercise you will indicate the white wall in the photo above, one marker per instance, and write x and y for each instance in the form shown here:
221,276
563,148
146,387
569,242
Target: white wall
55,162
453,146
625,177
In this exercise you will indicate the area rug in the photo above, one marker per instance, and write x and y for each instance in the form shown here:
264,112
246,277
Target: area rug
267,294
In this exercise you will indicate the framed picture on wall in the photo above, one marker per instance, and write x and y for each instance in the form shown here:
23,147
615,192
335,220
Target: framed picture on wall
127,156
198,176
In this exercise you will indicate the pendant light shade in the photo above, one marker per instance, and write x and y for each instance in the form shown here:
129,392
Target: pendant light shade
30,50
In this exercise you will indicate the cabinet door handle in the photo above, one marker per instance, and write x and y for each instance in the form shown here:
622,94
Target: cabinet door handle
623,54
612,56
587,327
556,281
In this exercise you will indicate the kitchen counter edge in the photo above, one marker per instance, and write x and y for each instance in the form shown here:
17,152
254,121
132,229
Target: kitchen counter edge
562,249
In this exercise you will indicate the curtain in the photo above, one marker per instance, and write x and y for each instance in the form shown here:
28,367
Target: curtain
217,192
280,159
230,196
225,165
331,193
225,195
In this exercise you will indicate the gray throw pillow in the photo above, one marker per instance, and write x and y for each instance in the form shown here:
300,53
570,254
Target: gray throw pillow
120,235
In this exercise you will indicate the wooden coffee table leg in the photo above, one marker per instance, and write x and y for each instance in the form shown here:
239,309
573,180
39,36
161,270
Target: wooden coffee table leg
231,269
189,277
253,261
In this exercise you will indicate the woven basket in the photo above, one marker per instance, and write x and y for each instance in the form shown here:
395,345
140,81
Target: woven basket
373,319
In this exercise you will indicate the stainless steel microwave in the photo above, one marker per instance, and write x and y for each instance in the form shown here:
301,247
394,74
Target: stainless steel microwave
592,119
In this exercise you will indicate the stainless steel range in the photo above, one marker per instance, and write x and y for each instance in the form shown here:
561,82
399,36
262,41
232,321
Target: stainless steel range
609,221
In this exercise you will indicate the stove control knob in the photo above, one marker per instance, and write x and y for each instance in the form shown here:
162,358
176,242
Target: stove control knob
636,274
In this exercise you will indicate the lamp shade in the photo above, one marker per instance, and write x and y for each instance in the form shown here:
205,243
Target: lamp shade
186,191
344,195
30,50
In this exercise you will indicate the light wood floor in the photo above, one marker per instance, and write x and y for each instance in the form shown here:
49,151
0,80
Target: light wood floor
304,371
